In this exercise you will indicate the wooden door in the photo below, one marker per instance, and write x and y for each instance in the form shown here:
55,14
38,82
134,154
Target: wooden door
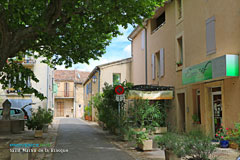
60,109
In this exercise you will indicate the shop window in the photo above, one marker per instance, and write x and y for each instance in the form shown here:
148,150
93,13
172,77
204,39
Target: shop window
197,107
156,23
116,78
180,51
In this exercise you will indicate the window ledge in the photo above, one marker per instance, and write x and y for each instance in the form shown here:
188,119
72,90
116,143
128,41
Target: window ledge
179,68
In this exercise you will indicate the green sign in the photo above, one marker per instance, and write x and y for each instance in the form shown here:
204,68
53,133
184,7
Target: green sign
196,73
224,66
232,65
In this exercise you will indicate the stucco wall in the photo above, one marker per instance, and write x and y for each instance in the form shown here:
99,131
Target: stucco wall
192,28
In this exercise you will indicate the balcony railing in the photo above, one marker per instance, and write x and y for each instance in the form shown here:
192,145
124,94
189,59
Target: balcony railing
26,61
65,94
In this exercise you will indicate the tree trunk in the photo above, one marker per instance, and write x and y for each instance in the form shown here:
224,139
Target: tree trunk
3,59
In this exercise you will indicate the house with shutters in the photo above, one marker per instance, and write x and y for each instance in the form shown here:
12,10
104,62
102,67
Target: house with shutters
45,76
68,96
111,73
194,47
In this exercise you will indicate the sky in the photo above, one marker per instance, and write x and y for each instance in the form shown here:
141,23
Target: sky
120,48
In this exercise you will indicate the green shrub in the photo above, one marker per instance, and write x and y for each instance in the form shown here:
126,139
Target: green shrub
194,146
39,118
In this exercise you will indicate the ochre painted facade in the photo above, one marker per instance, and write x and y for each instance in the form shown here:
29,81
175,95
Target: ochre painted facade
191,29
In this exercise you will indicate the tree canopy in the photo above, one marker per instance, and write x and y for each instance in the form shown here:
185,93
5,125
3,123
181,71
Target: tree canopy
62,31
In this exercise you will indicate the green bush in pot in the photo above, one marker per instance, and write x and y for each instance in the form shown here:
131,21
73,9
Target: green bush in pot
192,146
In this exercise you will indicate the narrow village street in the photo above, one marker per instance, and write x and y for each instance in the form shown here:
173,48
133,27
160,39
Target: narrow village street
84,142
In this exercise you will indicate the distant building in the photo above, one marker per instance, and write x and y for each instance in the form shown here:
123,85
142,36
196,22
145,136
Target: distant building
68,96
113,72
45,76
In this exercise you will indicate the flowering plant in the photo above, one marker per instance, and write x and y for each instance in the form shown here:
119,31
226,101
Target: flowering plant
221,133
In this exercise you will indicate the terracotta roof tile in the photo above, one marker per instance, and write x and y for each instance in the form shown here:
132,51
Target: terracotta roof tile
70,75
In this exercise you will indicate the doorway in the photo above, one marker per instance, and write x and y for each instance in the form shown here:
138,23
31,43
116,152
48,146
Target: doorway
60,109
216,109
181,119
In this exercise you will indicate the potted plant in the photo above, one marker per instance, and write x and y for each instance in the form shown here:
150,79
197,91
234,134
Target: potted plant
191,146
48,118
143,141
196,119
37,122
221,135
179,63
234,137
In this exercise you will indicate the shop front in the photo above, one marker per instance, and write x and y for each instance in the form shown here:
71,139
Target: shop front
213,94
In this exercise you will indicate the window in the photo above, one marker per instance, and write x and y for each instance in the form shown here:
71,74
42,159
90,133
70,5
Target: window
210,36
156,23
116,78
180,51
179,9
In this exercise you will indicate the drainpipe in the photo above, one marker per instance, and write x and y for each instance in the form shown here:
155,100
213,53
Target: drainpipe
99,80
74,101
47,85
146,79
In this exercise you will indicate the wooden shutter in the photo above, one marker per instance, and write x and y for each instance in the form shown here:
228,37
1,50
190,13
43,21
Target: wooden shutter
153,66
161,63
210,36
66,90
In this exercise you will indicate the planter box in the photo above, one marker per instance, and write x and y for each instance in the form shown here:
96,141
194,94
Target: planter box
38,133
45,128
160,130
124,137
139,129
233,145
146,145
169,155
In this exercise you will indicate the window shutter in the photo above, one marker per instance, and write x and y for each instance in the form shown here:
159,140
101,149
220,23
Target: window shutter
153,66
143,39
210,36
161,63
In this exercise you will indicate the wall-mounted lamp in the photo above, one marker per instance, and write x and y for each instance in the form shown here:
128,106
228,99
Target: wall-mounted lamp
94,79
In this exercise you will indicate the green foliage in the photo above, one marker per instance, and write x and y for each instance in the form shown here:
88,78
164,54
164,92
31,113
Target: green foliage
195,118
65,32
39,118
142,114
88,110
194,145
17,75
107,106
235,134
221,133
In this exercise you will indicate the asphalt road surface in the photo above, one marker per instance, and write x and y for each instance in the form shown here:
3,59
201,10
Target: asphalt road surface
80,141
